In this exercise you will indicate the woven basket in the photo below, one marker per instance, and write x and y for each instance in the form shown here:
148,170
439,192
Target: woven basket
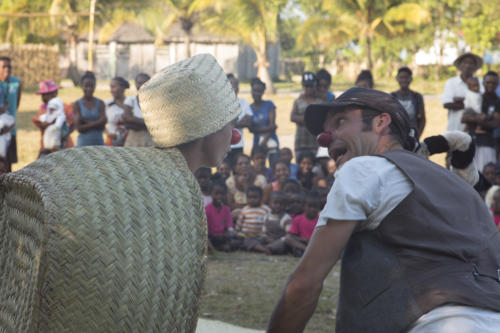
101,239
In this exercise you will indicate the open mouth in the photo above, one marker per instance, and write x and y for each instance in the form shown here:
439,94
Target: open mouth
337,153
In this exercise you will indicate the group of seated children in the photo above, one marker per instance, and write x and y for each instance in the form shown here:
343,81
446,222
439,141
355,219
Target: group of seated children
271,212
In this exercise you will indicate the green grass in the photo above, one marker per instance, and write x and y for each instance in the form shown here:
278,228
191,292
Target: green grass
242,288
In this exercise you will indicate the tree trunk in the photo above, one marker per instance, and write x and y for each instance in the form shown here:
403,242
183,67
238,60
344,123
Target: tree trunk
73,73
263,65
369,52
188,44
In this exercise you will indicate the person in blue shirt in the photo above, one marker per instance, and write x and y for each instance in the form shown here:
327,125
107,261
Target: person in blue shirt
263,121
11,88
323,88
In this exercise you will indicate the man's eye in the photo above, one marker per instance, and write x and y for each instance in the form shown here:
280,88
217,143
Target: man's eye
340,121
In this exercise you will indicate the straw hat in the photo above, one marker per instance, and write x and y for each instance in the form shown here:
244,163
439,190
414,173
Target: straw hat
477,59
188,100
102,239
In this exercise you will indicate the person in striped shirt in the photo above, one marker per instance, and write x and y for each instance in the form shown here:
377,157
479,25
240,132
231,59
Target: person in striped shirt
252,217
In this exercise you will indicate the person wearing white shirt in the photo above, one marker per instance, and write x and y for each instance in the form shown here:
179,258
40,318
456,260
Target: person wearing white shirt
56,117
138,134
420,252
243,120
456,88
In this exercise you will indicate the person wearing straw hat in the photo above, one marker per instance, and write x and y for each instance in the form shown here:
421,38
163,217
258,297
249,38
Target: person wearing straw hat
415,258
456,87
113,239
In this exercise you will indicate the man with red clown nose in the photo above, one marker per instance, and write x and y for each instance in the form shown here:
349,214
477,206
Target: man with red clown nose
420,252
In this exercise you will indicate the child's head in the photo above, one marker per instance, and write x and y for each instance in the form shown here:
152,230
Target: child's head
291,186
496,180
254,196
281,171
279,202
224,169
364,79
259,158
296,203
312,205
203,176
286,155
473,84
324,81
309,83
322,157
306,162
323,194
495,204
490,81
489,172
219,192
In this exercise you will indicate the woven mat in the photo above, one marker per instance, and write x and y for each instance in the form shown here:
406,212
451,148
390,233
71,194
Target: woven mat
101,239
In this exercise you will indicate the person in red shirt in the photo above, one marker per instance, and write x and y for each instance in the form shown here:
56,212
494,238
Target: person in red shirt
303,225
219,219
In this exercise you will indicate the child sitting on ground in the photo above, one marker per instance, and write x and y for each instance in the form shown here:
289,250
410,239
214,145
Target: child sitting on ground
251,220
303,225
295,204
55,118
258,156
6,120
203,176
276,225
219,220
305,176
286,155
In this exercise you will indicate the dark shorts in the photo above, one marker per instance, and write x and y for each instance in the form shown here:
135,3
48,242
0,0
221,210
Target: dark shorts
12,152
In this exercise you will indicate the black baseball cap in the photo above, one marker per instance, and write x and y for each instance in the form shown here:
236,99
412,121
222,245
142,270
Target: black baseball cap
309,79
364,98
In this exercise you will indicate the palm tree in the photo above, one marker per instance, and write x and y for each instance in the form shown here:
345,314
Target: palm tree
377,17
254,23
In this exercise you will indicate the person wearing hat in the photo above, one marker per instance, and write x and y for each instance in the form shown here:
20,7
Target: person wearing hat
113,239
48,90
304,141
412,101
456,87
415,257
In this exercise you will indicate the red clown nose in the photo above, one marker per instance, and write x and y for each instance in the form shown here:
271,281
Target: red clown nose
324,138
235,137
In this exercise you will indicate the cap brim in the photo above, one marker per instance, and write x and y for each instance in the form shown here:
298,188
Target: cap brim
315,114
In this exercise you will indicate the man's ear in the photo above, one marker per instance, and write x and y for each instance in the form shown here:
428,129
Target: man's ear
381,123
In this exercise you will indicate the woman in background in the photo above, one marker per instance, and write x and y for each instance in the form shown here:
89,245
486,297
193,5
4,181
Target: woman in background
89,115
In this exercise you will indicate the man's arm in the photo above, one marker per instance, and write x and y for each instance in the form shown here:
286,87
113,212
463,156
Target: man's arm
300,296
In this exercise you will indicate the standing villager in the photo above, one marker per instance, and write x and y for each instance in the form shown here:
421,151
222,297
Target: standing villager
11,87
412,101
89,114
304,141
456,88
101,239
138,135
399,219
485,122
116,132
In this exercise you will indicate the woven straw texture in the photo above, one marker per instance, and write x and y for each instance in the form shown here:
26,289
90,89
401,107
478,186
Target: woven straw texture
101,239
188,100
